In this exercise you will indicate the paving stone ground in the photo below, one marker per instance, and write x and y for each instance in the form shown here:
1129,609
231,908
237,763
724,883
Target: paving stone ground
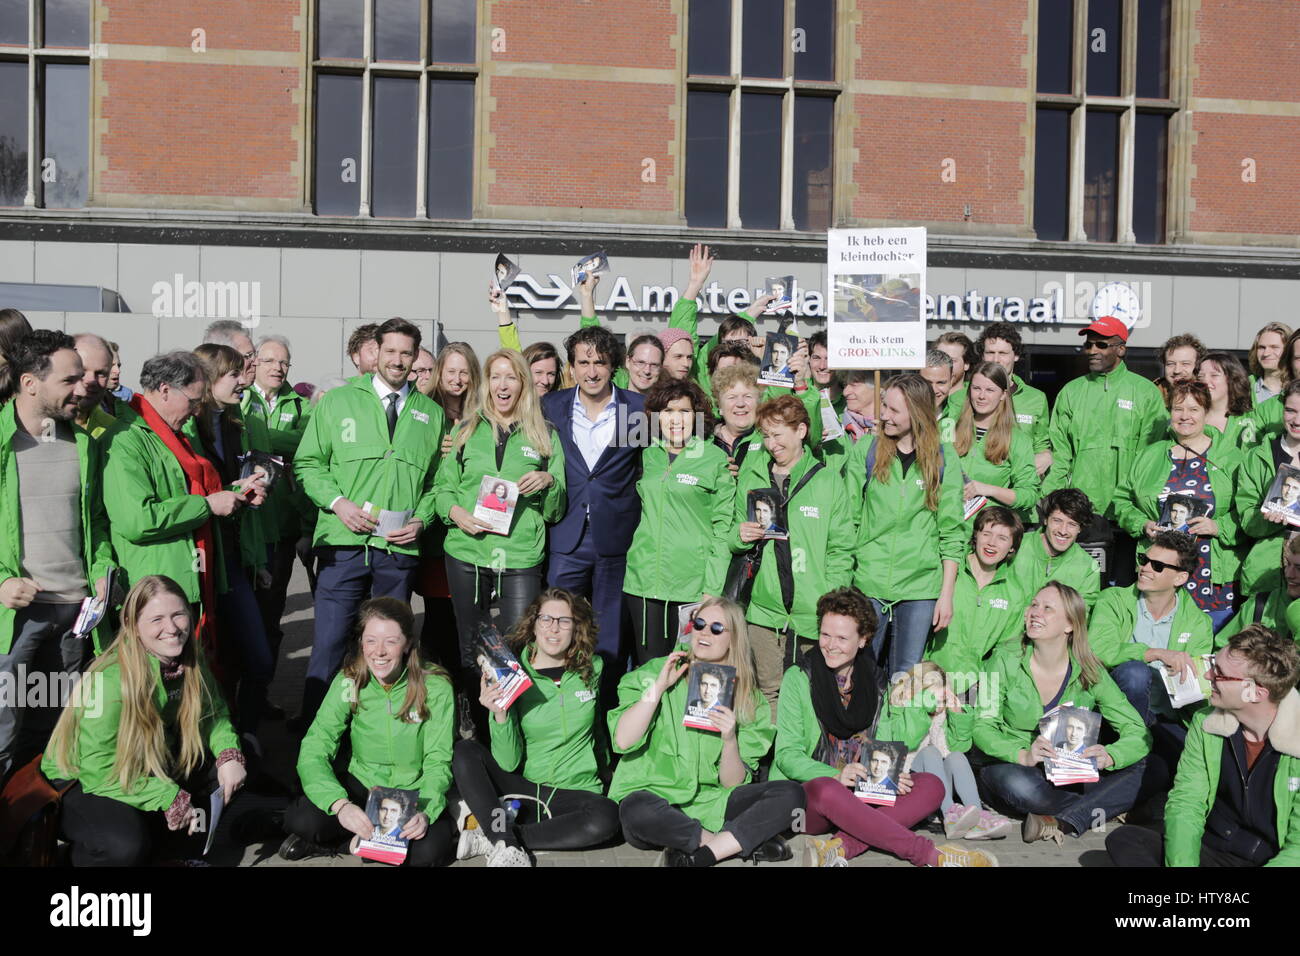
281,752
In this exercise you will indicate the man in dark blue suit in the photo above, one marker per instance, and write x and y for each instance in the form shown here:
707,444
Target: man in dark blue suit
602,429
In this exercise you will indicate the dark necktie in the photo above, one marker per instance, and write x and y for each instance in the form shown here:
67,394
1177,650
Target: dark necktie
391,398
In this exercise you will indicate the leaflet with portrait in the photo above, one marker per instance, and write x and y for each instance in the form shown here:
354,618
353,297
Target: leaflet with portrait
765,508
1072,730
499,664
709,685
389,809
495,504
884,760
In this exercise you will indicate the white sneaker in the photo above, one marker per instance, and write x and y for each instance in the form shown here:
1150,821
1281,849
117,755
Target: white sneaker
503,854
473,842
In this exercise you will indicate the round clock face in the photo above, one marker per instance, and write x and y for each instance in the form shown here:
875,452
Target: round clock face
1119,300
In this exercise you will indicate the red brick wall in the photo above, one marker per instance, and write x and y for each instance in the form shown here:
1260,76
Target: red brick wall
1248,49
615,33
903,141
228,24
1226,204
979,42
220,131
580,143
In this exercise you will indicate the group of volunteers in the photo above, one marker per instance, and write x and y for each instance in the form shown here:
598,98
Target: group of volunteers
917,567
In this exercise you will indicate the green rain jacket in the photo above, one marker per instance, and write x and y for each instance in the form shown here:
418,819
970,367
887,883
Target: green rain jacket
680,764
1274,609
1196,786
681,548
1030,405
1143,490
1110,627
983,621
387,751
152,516
101,717
96,551
819,520
462,472
346,451
1099,425
909,722
1033,567
1009,723
551,731
1016,472
891,520
287,513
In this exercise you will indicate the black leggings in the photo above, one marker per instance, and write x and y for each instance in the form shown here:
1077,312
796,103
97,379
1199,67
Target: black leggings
756,812
311,823
654,626
579,818
107,832
472,592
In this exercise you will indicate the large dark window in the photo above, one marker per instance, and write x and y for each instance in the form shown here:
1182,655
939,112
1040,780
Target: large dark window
772,127
45,103
373,155
1110,116
1052,174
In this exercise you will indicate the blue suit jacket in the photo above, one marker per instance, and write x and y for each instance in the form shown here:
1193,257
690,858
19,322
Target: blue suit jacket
608,491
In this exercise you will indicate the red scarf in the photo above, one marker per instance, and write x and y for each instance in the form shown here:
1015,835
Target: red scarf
202,479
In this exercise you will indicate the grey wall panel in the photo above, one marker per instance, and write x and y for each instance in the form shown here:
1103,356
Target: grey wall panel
1206,307
79,263
1264,301
17,261
399,283
143,268
321,282
240,264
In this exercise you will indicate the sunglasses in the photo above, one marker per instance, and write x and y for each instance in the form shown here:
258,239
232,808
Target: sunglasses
1218,676
1098,344
1158,566
717,627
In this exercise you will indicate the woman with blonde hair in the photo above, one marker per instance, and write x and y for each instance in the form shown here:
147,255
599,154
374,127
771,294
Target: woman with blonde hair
144,733
828,718
545,750
1056,668
909,534
687,790
997,457
398,714
502,435
456,376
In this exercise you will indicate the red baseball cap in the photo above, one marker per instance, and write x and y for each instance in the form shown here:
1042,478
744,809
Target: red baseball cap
1107,326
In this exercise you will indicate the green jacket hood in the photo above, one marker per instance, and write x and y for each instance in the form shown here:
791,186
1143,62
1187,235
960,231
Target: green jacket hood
1283,734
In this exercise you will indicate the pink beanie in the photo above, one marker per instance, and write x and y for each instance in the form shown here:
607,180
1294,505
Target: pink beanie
670,337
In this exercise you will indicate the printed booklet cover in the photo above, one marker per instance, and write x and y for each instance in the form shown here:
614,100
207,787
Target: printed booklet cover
594,264
1283,496
1178,511
1184,690
495,505
500,665
764,508
710,685
388,809
1071,730
504,271
884,761
775,369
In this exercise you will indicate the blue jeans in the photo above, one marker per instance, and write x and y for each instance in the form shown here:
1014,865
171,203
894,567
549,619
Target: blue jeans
1134,679
240,621
910,623
1025,790
1221,617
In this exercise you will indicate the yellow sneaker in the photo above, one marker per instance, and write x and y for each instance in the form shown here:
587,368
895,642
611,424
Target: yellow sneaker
950,855
824,852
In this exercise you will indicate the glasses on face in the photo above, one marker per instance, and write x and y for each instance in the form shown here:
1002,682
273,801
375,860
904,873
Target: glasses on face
646,366
1159,567
1218,676
422,372
717,627
1099,344
274,363
250,356
563,623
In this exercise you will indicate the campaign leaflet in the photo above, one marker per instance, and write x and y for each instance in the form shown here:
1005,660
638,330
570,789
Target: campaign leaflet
93,608
495,505
764,507
710,685
884,762
832,428
500,665
594,264
1184,690
1072,730
1178,511
504,272
1283,496
388,809
386,522
781,288
685,616
775,368
259,464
